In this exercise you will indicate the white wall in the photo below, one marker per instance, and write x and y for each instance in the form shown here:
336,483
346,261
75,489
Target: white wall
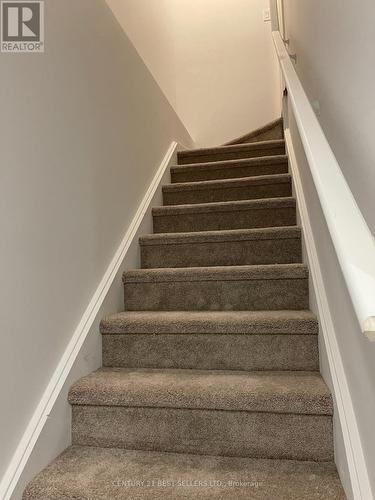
227,77
357,352
326,76
326,259
214,60
149,25
83,129
334,42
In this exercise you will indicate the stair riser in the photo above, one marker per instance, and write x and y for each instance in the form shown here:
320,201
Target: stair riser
210,174
217,295
227,194
212,352
215,221
228,253
205,432
231,155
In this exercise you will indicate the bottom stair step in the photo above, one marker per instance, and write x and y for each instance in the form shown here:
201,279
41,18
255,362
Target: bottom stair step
86,473
283,415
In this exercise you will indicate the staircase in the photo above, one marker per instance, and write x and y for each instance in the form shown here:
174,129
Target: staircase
210,386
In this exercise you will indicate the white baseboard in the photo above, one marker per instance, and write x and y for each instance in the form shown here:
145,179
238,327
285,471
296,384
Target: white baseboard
125,256
359,479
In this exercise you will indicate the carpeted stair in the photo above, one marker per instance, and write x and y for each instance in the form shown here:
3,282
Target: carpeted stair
210,386
270,131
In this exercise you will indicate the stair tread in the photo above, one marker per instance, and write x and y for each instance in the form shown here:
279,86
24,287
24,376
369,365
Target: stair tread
239,162
225,206
231,148
283,232
220,273
218,322
228,183
261,391
102,474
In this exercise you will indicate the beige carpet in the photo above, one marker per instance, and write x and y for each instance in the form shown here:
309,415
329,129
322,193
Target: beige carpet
210,385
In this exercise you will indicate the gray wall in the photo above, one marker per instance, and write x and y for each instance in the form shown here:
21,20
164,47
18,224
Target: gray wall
334,41
83,129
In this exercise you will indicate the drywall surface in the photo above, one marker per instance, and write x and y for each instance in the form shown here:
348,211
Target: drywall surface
334,45
334,42
83,129
227,76
357,352
149,26
214,60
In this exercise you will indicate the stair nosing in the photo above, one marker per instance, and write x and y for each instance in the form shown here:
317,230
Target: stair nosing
301,322
259,272
239,162
225,206
204,408
224,236
220,184
210,390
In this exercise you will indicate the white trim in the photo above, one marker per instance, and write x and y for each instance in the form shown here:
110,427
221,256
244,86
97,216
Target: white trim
354,453
275,25
354,244
51,394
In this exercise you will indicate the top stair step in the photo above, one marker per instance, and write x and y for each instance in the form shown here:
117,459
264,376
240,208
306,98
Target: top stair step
232,152
269,132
